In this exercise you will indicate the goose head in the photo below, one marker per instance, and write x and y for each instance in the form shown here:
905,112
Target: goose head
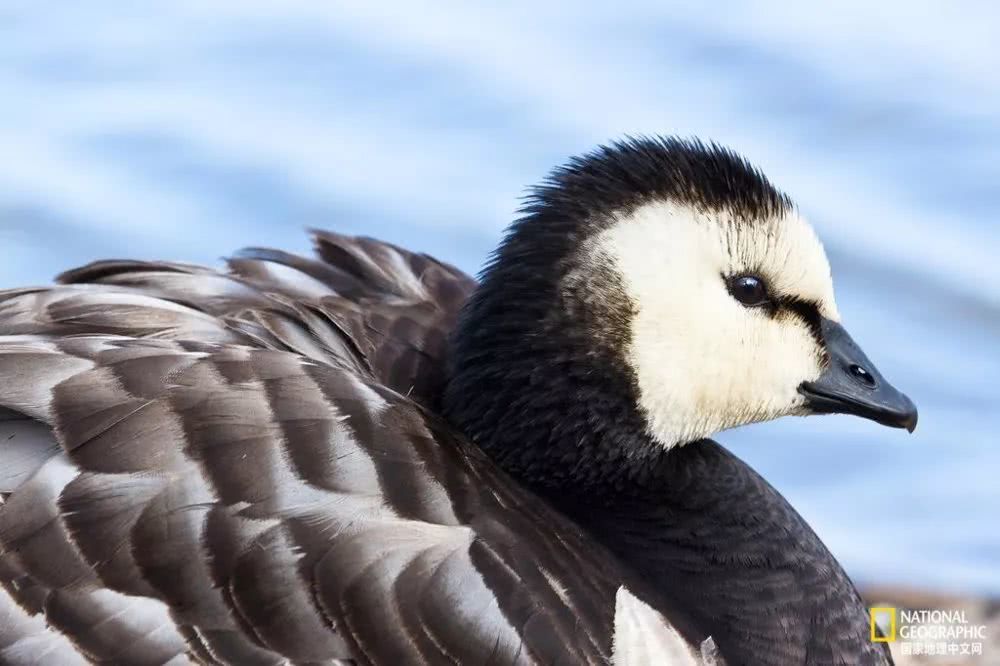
654,293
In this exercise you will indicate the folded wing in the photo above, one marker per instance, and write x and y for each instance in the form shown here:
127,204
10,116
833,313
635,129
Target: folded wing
225,467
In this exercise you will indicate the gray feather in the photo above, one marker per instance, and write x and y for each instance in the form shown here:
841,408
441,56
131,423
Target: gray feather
226,468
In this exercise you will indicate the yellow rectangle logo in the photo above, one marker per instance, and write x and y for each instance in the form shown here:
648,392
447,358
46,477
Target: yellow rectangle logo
884,613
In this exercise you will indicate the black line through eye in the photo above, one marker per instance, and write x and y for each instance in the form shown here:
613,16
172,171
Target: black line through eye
808,311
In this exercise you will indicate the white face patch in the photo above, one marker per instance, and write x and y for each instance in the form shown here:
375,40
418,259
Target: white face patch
705,362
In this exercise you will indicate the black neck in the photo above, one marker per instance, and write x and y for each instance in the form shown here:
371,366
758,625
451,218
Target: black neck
723,549
553,416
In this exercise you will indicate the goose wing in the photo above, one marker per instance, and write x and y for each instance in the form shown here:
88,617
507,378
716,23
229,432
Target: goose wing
371,305
224,468
189,499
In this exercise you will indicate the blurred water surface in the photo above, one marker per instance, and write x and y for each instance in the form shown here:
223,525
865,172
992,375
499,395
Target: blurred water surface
185,130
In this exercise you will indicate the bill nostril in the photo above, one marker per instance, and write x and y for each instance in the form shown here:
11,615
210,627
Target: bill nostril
861,375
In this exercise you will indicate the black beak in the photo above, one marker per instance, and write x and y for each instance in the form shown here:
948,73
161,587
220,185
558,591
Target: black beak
852,385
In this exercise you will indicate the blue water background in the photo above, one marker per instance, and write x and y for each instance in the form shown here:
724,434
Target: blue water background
187,129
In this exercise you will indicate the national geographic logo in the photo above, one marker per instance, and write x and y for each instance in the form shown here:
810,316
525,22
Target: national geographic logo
926,631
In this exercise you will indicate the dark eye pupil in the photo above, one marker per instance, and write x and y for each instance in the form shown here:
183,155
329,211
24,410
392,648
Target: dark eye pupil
749,290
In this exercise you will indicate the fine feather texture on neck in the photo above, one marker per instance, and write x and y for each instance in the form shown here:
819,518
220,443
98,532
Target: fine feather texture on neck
716,544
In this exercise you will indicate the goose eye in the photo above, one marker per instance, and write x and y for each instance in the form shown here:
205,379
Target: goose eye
748,290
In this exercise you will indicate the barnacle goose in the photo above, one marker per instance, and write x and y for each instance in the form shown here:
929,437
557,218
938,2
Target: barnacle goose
289,461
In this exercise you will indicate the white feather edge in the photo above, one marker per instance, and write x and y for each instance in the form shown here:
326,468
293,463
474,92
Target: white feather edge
643,637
